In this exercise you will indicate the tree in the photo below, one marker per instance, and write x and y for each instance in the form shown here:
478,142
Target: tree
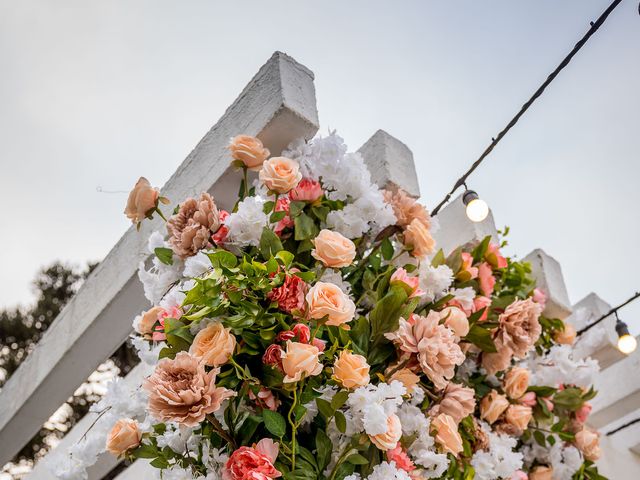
20,330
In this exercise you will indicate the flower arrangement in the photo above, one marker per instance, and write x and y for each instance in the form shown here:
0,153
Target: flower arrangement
315,332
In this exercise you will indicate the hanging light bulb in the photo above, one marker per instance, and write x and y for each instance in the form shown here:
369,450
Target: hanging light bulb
627,343
477,209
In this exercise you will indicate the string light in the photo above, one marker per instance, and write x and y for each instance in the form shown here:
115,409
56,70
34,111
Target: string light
627,343
494,141
477,209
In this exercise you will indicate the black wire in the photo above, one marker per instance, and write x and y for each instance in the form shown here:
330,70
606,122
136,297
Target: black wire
594,27
622,427
610,312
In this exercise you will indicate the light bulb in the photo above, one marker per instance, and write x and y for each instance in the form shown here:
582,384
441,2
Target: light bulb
627,344
477,209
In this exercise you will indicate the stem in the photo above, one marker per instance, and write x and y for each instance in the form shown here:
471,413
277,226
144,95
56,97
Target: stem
161,214
294,429
221,431
246,179
315,332
345,454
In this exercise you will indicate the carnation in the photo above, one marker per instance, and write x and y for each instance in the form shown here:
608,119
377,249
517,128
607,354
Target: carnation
246,224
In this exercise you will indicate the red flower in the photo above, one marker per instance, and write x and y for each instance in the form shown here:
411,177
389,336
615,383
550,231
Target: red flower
299,330
273,355
221,235
308,190
290,295
248,463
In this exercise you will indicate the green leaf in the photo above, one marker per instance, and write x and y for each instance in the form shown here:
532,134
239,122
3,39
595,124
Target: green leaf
386,247
296,208
270,244
274,422
277,216
481,337
285,257
341,421
539,438
357,459
268,207
324,407
570,398
438,259
165,255
386,314
224,259
305,228
323,449
339,399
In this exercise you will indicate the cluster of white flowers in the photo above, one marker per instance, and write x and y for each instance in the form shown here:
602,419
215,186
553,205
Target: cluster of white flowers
434,281
423,449
464,296
246,224
383,471
345,177
565,459
371,405
500,461
560,366
160,276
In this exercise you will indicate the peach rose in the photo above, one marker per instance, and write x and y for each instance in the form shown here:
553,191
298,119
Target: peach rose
516,382
249,150
333,249
519,416
388,440
124,436
541,473
351,370
492,406
456,320
213,345
458,402
280,174
327,300
588,442
417,236
446,434
566,336
146,320
406,377
300,359
142,199
308,190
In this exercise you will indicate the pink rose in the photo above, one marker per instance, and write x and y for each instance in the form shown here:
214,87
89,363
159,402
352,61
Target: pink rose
265,398
486,279
539,297
308,190
519,475
398,455
319,344
221,234
251,463
548,403
493,256
273,356
290,295
529,399
467,270
479,303
583,412
410,284
282,205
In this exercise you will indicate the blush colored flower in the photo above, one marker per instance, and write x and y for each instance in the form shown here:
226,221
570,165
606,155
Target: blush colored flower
401,458
388,440
516,382
588,442
333,249
419,239
142,199
529,399
124,435
519,327
539,297
493,256
456,320
486,279
351,370
145,322
328,300
479,303
280,174
213,345
541,472
519,416
582,414
252,463
405,208
566,336
182,391
290,295
300,360
492,406
265,398
249,150
308,190
458,402
446,434
191,229
405,376
410,284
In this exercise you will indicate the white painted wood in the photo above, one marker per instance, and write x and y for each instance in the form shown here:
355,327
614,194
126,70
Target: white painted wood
390,163
548,274
138,470
600,342
618,460
618,389
278,105
456,229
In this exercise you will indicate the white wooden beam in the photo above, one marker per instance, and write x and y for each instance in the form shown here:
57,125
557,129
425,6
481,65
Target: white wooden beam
138,470
278,105
455,228
548,274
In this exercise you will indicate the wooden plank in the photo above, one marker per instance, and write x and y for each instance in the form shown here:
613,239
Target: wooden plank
278,105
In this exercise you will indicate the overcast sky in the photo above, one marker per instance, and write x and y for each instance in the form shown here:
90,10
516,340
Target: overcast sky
96,93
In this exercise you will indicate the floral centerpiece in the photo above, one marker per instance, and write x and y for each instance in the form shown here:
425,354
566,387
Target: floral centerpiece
315,332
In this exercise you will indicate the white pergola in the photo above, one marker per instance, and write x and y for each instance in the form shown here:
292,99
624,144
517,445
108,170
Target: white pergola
278,105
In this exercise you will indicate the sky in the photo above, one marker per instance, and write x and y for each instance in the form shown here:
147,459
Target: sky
94,94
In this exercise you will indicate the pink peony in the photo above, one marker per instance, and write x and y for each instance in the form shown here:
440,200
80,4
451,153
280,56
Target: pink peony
398,455
282,205
290,295
308,190
493,256
253,463
410,284
486,279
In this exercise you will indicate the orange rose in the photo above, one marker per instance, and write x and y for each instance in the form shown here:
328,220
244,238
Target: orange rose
249,150
541,473
280,174
588,442
351,370
456,320
142,199
333,249
446,434
213,345
566,336
417,236
300,359
388,440
406,377
492,406
146,320
124,436
516,382
327,300
519,416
